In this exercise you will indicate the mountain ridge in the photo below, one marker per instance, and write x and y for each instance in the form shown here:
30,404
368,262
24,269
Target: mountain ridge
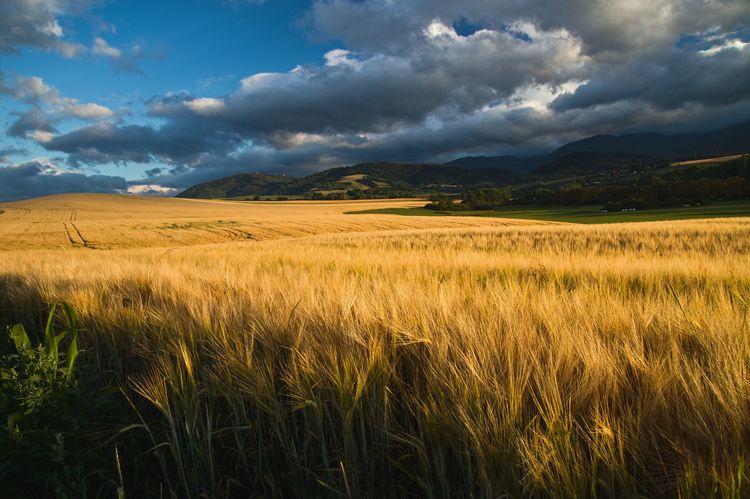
597,153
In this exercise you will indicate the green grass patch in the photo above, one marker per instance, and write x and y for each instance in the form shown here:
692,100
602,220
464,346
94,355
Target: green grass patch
583,214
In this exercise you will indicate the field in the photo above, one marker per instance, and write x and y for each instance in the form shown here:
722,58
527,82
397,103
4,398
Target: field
579,214
333,355
709,161
101,221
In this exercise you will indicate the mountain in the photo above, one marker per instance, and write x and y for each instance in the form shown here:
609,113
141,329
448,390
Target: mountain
594,154
731,140
591,162
510,163
377,179
726,141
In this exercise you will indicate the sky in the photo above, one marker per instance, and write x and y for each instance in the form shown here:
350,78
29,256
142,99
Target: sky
153,97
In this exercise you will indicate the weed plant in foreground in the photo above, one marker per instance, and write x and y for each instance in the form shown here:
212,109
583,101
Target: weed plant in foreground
539,361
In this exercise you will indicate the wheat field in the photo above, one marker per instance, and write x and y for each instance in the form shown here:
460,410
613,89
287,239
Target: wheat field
105,221
382,356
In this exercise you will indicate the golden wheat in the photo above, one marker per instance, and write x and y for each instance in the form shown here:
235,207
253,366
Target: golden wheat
554,360
103,221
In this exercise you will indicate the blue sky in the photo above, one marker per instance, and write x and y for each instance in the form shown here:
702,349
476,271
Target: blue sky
198,46
151,97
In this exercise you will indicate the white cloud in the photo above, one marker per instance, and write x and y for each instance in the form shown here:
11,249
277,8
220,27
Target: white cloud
437,29
88,111
205,105
258,81
33,90
735,44
35,23
101,47
123,60
70,50
52,28
340,57
41,136
152,189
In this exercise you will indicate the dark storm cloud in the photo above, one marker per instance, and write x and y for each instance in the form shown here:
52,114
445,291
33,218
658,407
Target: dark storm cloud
108,142
31,120
670,80
614,27
35,179
457,75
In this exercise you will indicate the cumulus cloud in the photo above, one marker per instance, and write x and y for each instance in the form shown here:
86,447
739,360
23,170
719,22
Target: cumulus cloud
107,142
101,47
124,60
32,120
37,24
152,190
39,178
39,123
449,75
609,29
33,90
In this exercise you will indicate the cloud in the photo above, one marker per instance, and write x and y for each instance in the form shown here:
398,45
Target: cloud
38,178
108,142
669,80
447,75
152,190
608,29
101,47
37,24
32,120
39,123
124,60
6,153
33,90
152,172
205,105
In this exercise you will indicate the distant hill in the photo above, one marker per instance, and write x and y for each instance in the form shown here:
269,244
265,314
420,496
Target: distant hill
726,141
372,179
731,140
510,163
244,184
591,162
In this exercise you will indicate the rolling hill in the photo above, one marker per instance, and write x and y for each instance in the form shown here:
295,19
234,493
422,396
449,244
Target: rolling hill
378,179
244,184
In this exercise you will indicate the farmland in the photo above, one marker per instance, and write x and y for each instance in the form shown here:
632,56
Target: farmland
373,355
100,221
579,214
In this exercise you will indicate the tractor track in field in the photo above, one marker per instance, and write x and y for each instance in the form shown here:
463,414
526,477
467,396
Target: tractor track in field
85,242
70,236
75,237
231,234
20,213
240,234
